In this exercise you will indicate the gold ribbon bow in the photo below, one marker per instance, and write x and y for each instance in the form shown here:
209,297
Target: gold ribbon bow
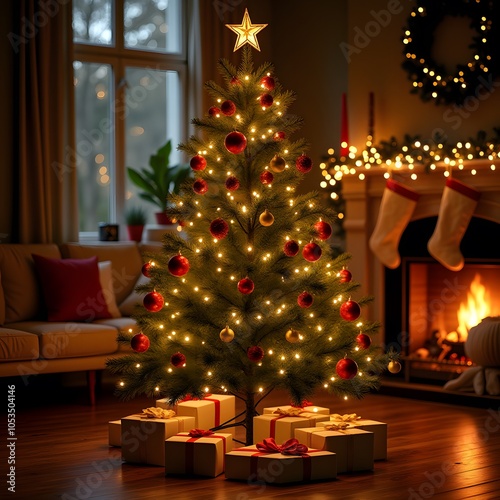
292,412
156,412
341,426
348,417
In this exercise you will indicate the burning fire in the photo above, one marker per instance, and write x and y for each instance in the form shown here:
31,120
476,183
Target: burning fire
476,308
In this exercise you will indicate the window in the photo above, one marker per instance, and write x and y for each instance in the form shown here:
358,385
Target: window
129,78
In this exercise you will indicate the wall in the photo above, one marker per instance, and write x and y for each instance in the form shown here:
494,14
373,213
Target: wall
376,66
6,124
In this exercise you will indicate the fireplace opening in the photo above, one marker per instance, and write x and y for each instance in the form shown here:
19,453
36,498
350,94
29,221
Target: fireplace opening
429,309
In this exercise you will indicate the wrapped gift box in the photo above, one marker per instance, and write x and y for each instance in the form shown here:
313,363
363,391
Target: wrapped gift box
250,465
211,411
282,427
379,430
143,439
201,456
310,408
353,446
115,433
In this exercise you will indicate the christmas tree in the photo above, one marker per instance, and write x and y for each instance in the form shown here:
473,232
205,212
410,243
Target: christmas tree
252,299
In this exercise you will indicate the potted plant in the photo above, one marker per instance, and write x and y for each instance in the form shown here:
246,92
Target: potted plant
159,180
135,218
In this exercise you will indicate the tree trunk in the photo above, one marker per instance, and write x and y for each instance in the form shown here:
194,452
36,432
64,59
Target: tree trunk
250,413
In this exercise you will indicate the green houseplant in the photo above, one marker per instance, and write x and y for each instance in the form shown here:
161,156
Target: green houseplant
159,180
135,218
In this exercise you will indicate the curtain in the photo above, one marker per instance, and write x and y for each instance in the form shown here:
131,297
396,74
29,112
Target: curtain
45,188
217,41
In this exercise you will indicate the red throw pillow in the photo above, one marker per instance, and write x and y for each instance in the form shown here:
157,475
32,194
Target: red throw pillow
71,289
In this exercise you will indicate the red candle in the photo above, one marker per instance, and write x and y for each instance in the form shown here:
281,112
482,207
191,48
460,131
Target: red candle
344,128
371,115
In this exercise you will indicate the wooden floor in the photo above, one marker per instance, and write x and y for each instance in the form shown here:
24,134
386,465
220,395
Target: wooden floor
435,450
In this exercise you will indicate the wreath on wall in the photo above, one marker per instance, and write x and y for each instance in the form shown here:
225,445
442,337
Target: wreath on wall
430,78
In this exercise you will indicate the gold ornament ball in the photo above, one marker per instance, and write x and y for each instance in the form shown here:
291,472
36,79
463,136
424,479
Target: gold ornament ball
292,336
277,164
394,366
266,218
226,335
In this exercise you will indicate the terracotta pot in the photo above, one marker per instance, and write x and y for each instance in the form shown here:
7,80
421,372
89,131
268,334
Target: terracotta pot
135,233
163,219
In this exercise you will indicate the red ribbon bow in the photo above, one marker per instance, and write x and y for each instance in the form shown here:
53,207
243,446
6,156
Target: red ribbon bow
302,404
190,397
290,447
198,433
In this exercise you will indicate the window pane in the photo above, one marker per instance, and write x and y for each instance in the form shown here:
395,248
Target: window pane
92,22
94,142
153,105
153,25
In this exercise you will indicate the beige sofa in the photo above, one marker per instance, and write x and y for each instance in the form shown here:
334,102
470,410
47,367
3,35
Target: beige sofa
30,344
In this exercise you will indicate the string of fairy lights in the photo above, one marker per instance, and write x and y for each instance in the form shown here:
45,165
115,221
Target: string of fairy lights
415,158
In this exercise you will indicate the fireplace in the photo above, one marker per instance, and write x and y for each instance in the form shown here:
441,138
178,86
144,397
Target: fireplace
404,298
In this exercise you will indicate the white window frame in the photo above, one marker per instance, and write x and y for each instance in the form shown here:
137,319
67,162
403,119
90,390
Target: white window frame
121,57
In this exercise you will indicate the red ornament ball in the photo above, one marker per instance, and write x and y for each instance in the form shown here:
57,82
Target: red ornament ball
266,100
350,310
268,82
214,111
140,342
266,177
153,301
146,269
178,359
232,183
178,265
200,186
346,368
228,108
235,142
311,252
279,136
345,276
305,300
323,230
246,286
235,80
291,248
364,341
219,228
198,163
304,164
255,353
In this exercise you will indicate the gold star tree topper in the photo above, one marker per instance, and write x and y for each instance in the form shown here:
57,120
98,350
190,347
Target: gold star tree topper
247,32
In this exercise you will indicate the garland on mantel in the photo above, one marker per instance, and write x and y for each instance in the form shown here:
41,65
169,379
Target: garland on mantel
393,155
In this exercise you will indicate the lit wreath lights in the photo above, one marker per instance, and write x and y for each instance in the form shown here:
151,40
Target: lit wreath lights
430,79
394,156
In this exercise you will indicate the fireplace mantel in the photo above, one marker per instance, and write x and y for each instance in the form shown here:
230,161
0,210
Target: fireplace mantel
362,205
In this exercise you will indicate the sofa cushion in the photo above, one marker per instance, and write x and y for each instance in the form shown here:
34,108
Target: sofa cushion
20,286
71,289
125,257
128,305
69,340
16,345
122,324
106,280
